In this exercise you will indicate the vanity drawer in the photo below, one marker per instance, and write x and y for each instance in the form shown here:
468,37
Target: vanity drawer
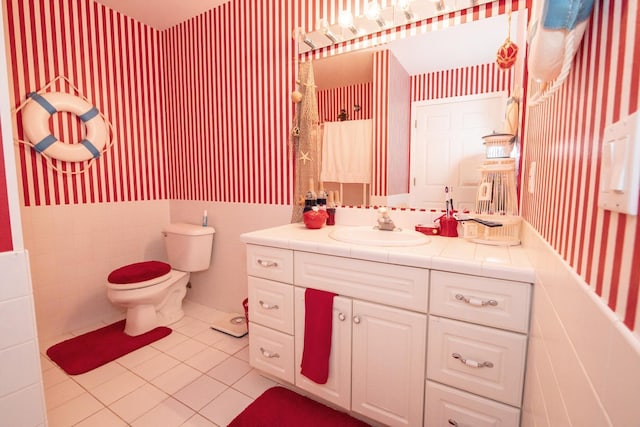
492,302
271,304
482,360
270,263
446,406
395,285
271,352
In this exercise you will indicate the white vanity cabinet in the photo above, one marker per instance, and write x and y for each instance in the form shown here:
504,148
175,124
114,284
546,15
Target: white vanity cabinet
412,344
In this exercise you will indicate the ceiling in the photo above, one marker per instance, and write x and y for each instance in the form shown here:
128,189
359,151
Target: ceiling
161,14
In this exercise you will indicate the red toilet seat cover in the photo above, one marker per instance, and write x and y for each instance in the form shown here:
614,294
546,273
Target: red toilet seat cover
138,272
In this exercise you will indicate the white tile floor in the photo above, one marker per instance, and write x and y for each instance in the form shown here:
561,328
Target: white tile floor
196,376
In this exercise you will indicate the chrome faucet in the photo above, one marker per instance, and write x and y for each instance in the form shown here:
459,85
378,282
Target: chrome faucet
384,221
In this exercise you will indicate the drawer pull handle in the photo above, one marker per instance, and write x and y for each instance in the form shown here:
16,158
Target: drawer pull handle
472,363
341,316
269,354
476,301
267,263
452,422
267,306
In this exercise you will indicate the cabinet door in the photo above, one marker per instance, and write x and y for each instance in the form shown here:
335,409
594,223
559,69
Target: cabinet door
388,367
337,389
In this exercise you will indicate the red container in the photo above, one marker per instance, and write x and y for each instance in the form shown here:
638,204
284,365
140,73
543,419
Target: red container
448,226
245,304
315,219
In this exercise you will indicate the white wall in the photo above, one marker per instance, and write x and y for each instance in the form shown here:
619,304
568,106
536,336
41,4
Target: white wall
583,366
224,285
73,249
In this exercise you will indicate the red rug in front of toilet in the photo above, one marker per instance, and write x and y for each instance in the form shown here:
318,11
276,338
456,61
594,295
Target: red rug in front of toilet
96,348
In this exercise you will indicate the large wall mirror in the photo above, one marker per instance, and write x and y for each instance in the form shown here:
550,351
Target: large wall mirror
434,80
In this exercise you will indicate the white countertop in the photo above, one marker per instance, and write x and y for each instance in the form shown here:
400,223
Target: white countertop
441,253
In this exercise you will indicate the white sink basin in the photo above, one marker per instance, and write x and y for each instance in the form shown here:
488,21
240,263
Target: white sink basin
367,235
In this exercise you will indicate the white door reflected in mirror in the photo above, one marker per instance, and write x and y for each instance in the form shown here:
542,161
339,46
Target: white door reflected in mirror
447,147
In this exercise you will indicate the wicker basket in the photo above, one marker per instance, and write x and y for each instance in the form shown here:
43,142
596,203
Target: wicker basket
508,234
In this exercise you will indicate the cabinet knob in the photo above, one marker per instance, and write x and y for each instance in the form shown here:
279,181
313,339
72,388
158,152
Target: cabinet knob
268,306
476,301
356,319
472,363
267,263
341,316
269,354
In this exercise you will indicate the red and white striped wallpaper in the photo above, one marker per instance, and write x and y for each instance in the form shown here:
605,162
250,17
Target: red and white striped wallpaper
474,80
564,137
331,101
6,239
229,75
115,62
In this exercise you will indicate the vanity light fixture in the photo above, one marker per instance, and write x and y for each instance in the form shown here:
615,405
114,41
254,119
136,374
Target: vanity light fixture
308,41
373,12
329,34
405,7
345,19
326,31
440,5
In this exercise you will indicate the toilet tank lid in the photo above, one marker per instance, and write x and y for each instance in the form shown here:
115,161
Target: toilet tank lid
188,229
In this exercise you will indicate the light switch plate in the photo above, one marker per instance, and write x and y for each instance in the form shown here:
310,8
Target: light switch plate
620,166
531,184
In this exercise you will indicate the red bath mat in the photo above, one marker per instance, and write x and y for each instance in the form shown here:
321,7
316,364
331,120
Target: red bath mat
281,407
96,348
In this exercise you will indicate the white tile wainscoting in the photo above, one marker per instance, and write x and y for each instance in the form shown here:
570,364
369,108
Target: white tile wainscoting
21,398
583,363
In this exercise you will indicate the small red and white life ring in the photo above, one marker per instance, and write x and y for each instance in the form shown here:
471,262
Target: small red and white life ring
35,120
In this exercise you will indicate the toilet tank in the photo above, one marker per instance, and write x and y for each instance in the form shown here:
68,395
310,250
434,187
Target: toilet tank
188,246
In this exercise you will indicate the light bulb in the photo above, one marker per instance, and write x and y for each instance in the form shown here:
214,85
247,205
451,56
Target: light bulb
405,7
345,19
403,4
372,11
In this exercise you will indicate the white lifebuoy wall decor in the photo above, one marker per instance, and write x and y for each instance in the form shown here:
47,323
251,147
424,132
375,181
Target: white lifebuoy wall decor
35,120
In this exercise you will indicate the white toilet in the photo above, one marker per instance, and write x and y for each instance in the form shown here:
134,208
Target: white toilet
152,291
